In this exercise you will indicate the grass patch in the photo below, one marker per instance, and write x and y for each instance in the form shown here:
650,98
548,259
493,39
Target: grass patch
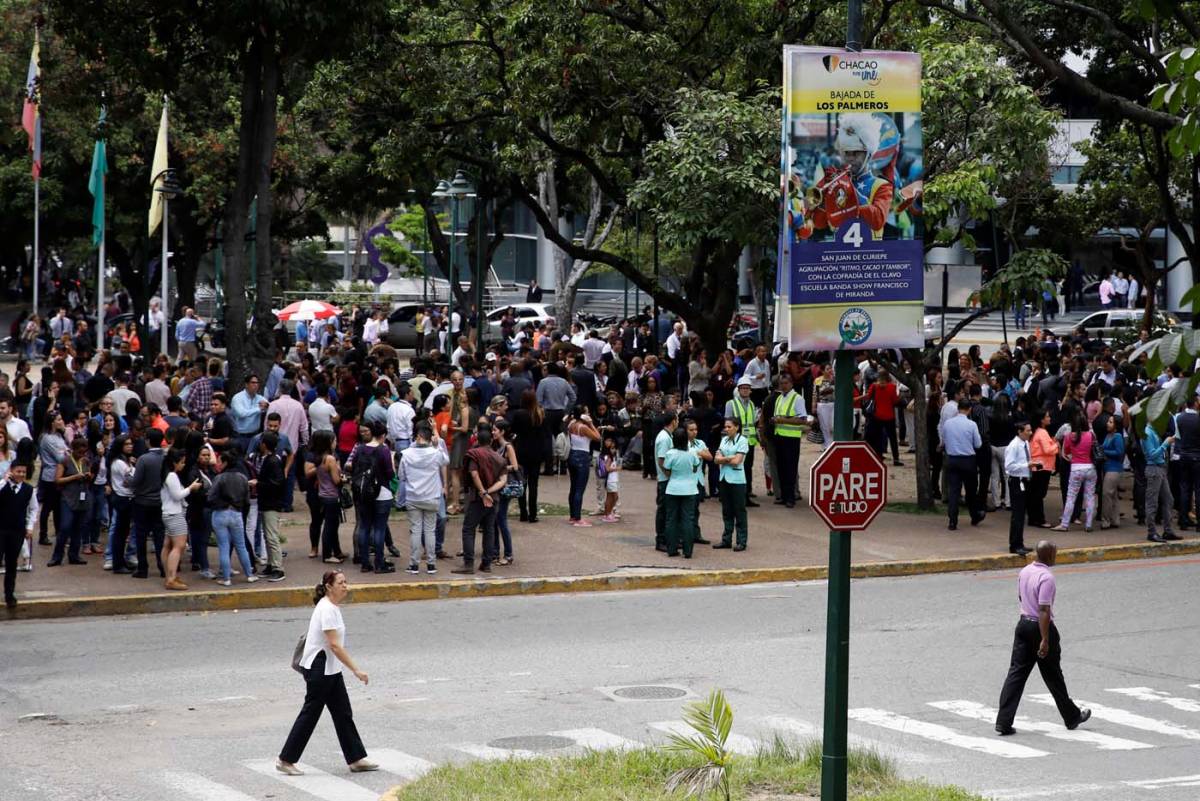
552,510
780,771
910,508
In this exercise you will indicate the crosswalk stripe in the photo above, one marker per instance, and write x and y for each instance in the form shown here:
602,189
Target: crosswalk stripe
1173,781
1105,742
201,788
943,734
315,782
1148,694
737,743
490,753
1123,718
597,739
805,730
1043,792
406,766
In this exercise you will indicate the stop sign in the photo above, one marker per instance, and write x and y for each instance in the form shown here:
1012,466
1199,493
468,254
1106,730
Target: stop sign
847,486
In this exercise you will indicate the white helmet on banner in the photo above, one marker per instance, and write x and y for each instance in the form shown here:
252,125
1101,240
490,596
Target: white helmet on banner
857,132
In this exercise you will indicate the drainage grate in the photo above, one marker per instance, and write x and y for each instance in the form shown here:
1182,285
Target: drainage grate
649,692
537,742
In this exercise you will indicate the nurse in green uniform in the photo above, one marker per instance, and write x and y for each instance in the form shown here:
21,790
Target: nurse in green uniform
731,456
697,446
681,464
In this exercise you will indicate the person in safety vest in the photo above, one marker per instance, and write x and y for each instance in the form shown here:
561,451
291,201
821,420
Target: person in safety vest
790,419
743,409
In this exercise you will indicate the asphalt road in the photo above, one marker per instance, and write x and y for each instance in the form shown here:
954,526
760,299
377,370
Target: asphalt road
197,706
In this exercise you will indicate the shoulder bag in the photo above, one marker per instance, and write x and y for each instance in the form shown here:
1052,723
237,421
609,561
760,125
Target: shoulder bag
298,654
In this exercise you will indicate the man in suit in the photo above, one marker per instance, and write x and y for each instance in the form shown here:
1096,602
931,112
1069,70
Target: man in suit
18,515
534,293
584,379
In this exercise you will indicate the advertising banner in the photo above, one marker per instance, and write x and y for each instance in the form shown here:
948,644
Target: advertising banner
851,251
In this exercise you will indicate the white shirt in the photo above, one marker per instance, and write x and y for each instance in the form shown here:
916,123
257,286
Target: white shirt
156,319
121,396
400,421
455,323
440,389
673,345
172,493
593,349
157,392
18,430
456,357
759,373
1016,458
1121,285
320,415
326,616
371,331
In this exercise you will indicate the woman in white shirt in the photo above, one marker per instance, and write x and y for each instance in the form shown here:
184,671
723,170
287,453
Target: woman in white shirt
173,494
120,481
322,660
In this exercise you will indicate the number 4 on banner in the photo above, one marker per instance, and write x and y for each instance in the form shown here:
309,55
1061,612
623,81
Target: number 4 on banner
853,235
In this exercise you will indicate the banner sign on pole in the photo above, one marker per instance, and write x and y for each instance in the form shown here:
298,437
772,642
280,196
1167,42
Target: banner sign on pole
851,250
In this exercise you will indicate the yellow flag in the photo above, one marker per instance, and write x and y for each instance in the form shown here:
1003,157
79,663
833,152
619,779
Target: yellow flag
157,172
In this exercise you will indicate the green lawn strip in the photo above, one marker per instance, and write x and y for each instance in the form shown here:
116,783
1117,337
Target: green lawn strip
780,772
909,508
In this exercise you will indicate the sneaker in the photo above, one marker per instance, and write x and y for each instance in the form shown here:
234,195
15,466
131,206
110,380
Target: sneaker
610,519
25,568
251,579
108,564
207,574
414,568
431,569
225,582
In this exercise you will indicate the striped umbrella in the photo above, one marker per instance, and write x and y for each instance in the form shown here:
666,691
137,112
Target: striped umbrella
308,310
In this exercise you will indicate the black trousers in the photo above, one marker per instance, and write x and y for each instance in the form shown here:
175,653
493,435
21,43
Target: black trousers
528,502
1026,640
787,458
1035,497
148,524
315,518
660,515
961,476
331,514
1018,489
323,691
983,463
748,470
478,516
10,545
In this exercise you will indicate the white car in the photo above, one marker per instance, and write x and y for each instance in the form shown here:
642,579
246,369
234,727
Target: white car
536,313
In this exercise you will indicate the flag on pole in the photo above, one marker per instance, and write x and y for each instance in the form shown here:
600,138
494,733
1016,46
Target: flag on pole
158,172
96,181
31,115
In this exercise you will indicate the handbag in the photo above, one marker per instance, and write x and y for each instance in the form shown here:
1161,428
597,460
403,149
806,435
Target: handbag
515,487
1098,458
345,498
298,654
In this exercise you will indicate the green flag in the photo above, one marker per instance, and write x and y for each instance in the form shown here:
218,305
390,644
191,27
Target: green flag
96,183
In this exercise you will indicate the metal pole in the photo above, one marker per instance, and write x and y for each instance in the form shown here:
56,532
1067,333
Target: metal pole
657,344
480,273
450,296
166,307
837,622
37,216
100,294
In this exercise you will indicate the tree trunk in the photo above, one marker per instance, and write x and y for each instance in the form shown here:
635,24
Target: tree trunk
236,339
262,342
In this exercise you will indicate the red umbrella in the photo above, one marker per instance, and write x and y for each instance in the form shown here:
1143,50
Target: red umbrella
308,310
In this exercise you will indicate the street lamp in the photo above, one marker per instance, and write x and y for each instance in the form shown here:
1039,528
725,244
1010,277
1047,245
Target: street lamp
170,189
455,189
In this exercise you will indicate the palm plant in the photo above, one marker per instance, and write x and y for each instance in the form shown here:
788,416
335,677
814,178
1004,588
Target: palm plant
711,719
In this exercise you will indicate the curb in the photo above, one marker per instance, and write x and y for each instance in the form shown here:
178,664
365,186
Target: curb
488,588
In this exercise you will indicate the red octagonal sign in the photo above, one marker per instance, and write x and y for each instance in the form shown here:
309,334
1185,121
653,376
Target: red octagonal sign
847,486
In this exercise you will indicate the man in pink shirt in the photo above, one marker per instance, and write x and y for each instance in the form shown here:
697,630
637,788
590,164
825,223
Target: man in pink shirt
1037,642
1106,292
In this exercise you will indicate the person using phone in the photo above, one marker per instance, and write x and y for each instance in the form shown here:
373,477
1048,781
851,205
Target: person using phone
1159,500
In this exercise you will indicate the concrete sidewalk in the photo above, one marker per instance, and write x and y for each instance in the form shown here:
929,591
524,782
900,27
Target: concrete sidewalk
781,542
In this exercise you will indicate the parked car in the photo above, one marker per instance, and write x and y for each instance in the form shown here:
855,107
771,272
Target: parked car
402,329
536,313
1106,324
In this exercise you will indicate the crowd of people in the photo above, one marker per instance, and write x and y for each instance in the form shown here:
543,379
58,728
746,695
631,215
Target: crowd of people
131,452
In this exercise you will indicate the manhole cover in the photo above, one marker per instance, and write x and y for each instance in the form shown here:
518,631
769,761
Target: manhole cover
649,692
538,742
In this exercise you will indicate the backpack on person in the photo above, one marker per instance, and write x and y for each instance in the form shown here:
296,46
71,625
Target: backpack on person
363,480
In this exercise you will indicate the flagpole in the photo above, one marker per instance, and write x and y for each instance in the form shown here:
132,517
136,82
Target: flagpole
37,213
166,307
100,296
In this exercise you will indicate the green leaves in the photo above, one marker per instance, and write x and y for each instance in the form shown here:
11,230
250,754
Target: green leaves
712,720
1180,96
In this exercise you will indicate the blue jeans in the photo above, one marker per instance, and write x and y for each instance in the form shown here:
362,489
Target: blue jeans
98,519
227,525
502,525
70,531
442,517
372,531
578,464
